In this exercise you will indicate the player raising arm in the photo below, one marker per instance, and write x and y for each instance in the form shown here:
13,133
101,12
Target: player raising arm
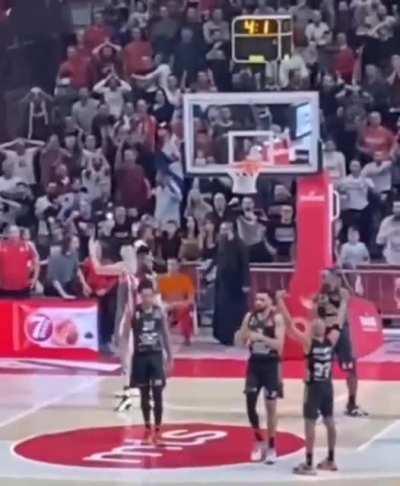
125,270
318,341
334,298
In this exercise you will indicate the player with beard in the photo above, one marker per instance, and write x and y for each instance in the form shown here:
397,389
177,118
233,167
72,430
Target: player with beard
151,346
331,298
263,331
318,341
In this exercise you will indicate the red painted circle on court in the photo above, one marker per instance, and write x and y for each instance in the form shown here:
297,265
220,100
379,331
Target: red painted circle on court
184,445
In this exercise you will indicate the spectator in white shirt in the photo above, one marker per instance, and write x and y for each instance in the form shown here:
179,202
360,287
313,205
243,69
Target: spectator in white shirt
334,162
355,189
354,252
84,110
380,172
294,63
389,236
8,181
318,31
22,158
168,197
216,22
113,90
97,173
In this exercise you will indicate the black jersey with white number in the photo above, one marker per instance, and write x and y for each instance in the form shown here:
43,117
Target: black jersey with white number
147,330
319,361
265,327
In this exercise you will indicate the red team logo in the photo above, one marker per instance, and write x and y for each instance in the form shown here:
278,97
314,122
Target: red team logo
184,445
38,328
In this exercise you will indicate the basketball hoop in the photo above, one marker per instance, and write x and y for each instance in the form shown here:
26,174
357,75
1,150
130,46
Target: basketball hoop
245,174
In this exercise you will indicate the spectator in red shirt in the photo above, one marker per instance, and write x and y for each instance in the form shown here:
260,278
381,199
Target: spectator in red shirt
146,126
344,59
375,137
105,289
107,60
19,265
97,33
138,54
76,69
132,187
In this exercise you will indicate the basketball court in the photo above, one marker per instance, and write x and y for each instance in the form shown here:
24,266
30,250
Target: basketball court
57,426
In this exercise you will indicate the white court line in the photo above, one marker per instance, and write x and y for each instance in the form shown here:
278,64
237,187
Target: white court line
379,435
47,403
199,408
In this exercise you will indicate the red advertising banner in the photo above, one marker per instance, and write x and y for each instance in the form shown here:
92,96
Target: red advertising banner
365,325
49,329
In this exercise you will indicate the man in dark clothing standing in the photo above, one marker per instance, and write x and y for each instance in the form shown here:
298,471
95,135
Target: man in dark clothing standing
232,285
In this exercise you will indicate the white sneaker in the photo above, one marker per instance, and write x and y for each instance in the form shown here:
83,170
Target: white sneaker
135,393
270,457
122,393
258,452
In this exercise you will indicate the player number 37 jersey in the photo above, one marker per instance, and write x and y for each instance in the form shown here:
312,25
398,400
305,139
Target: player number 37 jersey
319,361
147,330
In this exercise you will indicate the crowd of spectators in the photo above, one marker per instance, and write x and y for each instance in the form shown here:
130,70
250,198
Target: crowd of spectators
103,153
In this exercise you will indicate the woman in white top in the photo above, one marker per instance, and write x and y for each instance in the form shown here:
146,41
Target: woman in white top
355,190
334,162
173,92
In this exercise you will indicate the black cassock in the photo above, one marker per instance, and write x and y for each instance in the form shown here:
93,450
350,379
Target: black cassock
233,274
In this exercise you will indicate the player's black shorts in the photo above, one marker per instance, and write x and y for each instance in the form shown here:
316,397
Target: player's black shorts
148,369
263,373
344,350
318,399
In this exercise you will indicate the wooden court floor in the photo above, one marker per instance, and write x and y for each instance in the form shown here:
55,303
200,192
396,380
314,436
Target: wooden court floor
60,429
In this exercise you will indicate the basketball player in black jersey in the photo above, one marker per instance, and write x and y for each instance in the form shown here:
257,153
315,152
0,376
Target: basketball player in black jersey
333,297
318,341
263,331
151,343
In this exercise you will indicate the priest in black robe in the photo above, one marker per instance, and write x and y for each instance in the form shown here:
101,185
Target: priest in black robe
232,284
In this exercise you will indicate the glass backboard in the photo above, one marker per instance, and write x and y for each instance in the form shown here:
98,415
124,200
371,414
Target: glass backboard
279,131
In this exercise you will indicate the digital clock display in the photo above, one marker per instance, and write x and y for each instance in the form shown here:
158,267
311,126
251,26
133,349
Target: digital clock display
257,27
261,39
